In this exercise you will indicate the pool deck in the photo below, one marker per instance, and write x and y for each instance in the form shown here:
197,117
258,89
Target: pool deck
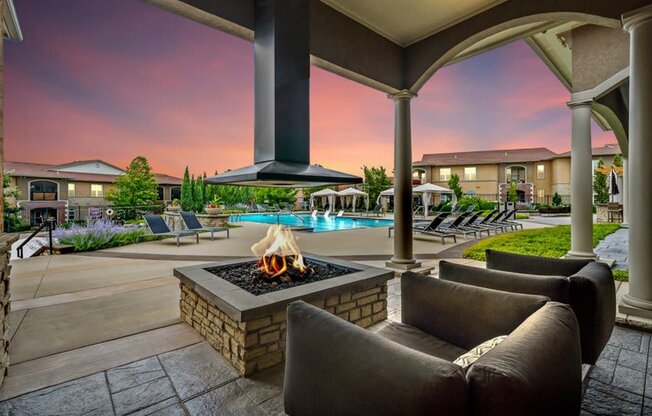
102,331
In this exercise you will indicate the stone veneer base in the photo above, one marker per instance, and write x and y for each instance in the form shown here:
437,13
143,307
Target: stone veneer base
249,331
6,240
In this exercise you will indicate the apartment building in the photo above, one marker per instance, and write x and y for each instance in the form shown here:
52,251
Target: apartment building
73,190
538,173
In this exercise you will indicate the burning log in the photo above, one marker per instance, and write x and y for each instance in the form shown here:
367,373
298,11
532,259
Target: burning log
279,255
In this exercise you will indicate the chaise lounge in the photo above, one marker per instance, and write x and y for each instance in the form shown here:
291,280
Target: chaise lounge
587,286
192,223
158,227
419,366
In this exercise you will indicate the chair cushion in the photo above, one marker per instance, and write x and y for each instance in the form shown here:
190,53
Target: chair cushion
416,339
519,263
460,314
557,288
536,370
468,358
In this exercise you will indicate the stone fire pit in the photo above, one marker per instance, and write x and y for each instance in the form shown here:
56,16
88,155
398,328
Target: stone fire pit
249,330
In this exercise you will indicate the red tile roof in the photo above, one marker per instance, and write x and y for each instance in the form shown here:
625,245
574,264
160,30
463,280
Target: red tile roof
41,170
486,157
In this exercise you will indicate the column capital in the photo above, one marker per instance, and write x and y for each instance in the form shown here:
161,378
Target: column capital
632,19
402,95
580,103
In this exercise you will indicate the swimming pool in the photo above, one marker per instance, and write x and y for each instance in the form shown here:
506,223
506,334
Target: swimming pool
318,224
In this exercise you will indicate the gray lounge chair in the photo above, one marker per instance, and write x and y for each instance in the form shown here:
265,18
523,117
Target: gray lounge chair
192,223
158,227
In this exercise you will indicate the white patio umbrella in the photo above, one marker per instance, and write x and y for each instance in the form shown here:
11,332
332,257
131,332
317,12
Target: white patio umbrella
386,194
355,193
427,189
328,193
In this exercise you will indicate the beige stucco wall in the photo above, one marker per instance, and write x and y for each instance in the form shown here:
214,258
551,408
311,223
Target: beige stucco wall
598,53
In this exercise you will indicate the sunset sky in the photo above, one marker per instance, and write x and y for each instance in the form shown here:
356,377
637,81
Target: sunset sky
95,79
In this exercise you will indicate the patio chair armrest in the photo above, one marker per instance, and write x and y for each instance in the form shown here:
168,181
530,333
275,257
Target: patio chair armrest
333,367
519,263
460,314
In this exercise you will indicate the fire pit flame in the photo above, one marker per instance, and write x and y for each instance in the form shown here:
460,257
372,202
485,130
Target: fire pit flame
278,251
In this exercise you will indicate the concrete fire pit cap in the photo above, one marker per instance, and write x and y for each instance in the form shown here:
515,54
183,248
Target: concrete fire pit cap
243,306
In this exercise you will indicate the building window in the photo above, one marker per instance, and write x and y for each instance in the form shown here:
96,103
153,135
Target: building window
541,172
515,174
71,190
97,190
444,174
43,191
470,174
541,193
175,192
161,193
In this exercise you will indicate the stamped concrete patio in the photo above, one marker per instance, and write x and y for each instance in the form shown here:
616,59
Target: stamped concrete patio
100,334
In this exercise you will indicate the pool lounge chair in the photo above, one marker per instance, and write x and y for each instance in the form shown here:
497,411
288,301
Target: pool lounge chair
456,226
192,223
314,213
340,214
377,211
158,227
431,228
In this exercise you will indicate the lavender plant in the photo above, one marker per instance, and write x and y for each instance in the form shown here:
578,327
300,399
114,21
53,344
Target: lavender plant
96,235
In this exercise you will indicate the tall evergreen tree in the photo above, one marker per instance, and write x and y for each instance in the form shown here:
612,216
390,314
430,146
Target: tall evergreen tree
186,192
136,188
199,196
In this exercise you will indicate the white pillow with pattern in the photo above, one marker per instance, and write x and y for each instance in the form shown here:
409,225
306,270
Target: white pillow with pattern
466,359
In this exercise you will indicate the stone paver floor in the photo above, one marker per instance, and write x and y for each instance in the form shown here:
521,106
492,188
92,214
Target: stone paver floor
196,380
614,247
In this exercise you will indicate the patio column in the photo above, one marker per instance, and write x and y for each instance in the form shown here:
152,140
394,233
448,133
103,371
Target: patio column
639,26
581,182
625,194
403,256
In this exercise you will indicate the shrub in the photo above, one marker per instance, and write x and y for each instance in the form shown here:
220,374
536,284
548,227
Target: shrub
96,235
480,203
556,199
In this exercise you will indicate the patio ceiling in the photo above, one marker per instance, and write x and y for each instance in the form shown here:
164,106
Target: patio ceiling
407,25
394,45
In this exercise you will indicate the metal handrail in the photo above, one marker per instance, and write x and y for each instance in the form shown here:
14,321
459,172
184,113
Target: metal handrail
49,223
278,216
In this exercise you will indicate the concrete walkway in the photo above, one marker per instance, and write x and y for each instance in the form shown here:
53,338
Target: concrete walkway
614,247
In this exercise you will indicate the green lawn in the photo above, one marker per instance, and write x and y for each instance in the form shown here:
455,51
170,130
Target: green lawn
545,242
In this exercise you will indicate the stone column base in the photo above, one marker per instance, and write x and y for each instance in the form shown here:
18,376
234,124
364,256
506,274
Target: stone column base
580,255
403,266
631,305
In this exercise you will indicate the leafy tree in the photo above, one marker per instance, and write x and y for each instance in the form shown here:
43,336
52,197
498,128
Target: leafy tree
512,195
136,187
232,194
556,199
618,160
11,219
600,186
454,185
275,195
375,180
186,192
